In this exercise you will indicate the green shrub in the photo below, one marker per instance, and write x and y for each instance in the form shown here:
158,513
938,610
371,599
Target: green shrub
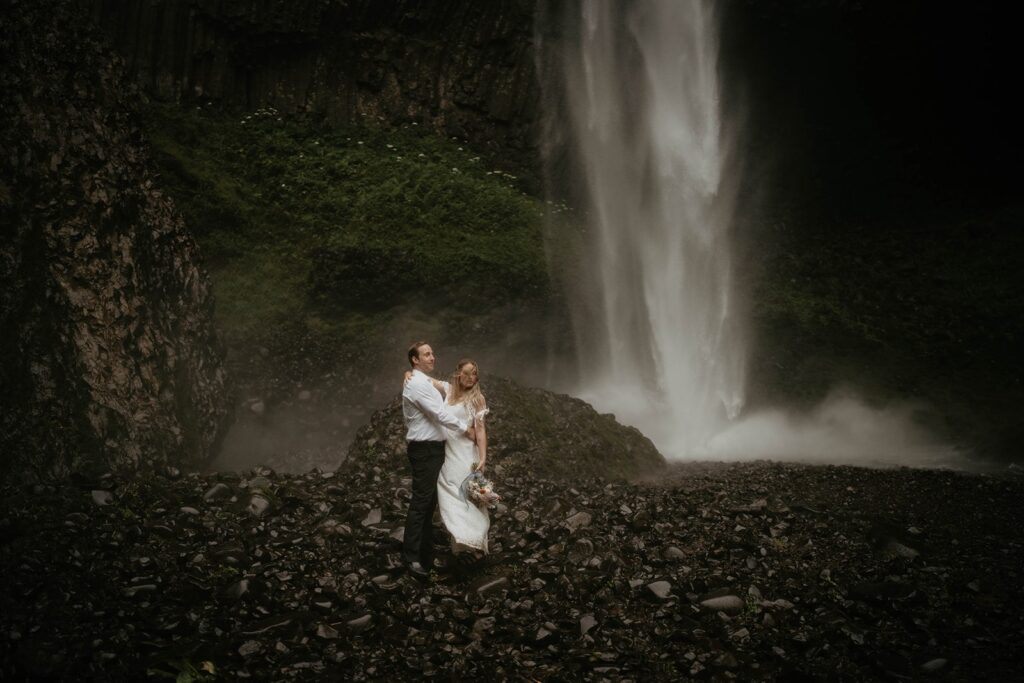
301,222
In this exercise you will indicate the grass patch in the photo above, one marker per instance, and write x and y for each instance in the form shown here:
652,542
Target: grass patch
325,229
929,310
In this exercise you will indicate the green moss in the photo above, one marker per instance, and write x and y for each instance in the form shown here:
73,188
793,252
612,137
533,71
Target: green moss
316,227
929,309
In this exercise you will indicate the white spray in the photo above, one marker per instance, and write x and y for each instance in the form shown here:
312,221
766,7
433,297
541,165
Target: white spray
659,321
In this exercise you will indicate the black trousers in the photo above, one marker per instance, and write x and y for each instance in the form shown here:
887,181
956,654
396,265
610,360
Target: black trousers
425,459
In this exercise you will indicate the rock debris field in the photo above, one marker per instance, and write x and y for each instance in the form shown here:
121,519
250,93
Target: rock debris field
753,571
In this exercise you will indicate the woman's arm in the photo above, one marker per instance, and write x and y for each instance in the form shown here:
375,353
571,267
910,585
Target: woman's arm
481,438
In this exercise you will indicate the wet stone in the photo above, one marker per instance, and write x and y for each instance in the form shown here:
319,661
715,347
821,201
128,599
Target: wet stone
373,517
327,632
894,548
140,590
360,623
76,518
582,549
216,492
229,553
258,506
250,648
934,665
488,584
587,622
268,624
259,483
674,553
662,590
578,521
102,498
730,604
483,624
236,590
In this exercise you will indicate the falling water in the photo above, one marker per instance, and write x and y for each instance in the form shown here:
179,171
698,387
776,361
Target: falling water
639,115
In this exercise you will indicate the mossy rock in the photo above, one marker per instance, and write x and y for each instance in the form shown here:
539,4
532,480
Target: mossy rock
548,435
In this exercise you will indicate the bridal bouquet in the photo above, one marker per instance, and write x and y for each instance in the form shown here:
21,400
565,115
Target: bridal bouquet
479,490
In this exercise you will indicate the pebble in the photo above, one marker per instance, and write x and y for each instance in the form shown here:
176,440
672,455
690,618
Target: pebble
661,590
730,604
674,553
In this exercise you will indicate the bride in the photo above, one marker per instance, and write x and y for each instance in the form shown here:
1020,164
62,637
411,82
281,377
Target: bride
467,523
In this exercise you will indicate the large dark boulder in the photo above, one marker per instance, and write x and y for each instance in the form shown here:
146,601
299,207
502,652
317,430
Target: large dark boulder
529,431
109,357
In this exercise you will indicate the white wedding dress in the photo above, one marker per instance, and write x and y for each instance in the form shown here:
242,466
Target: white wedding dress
467,523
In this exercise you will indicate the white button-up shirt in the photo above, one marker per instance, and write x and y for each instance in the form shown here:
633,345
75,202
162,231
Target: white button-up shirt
425,411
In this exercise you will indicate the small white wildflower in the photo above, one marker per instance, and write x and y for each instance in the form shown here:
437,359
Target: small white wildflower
460,149
455,170
360,142
421,154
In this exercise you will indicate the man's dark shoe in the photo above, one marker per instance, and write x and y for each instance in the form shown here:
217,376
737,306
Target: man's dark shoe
417,570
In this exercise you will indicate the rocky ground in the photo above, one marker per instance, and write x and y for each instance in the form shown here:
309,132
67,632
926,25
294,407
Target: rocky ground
753,571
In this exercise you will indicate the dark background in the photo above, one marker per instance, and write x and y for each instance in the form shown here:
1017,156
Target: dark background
865,106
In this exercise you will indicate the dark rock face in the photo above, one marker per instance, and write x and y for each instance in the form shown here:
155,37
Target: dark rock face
529,431
464,68
109,354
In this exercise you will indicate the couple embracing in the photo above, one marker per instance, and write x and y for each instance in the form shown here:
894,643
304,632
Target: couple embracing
445,437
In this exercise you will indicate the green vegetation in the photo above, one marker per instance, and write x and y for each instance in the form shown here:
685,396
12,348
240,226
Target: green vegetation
325,232
929,310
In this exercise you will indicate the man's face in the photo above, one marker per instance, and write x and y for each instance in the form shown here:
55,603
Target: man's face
425,361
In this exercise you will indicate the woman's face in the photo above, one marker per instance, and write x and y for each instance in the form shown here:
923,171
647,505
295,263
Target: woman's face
468,376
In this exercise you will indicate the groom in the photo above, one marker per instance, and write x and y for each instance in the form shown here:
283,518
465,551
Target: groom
424,414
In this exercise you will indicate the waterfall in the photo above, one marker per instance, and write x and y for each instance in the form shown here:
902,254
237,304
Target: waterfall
634,115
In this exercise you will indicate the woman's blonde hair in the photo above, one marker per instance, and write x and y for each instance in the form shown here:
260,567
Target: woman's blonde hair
473,396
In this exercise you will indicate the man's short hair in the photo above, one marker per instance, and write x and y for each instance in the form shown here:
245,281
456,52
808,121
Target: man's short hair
414,351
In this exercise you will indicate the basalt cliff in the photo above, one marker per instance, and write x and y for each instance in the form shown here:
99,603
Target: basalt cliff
110,359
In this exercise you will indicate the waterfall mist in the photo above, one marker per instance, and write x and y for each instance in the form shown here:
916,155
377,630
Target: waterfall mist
635,136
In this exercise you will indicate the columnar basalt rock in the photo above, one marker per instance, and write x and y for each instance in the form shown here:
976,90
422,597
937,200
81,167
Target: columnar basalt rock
463,68
109,354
